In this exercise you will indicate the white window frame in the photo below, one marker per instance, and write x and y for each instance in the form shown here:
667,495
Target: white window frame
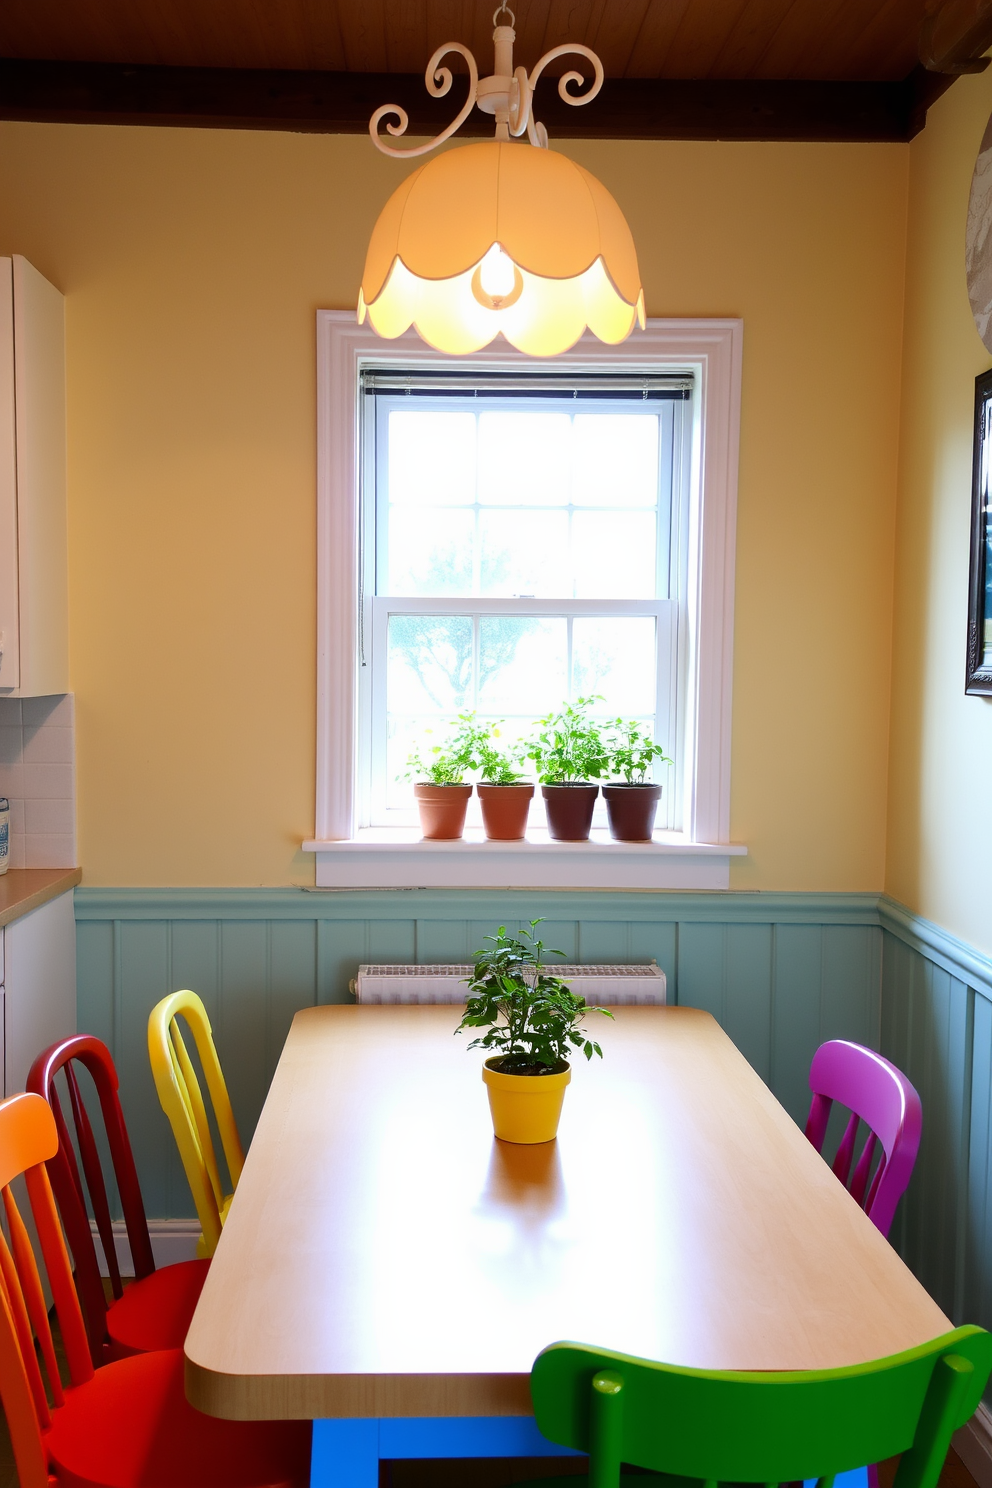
699,856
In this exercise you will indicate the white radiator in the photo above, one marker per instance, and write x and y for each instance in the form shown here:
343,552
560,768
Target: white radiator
607,986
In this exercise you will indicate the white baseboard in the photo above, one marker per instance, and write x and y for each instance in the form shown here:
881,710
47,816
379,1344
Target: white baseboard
172,1240
973,1444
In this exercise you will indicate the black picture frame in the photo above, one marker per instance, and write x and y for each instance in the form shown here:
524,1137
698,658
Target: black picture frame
978,670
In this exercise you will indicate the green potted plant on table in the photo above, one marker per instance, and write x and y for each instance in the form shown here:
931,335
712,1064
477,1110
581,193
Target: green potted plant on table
570,755
533,1020
439,782
632,802
503,793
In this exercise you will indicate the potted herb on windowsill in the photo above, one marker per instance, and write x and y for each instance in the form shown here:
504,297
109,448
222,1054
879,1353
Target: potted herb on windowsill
533,1020
503,793
632,803
439,783
570,756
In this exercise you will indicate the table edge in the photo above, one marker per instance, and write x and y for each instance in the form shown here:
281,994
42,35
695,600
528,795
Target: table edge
314,1397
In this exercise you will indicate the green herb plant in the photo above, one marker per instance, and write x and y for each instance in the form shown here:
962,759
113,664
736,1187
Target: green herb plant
632,752
446,763
533,1017
569,746
497,765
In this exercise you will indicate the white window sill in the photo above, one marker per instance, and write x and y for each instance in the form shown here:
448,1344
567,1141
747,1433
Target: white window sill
379,858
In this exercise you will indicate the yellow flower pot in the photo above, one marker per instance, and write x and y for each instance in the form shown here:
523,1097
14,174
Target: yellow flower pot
525,1108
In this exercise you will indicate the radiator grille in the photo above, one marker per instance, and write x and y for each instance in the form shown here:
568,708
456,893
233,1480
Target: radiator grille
610,986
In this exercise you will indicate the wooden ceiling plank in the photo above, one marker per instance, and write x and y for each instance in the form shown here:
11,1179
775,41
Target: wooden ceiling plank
702,36
792,49
324,102
750,37
300,33
886,43
828,50
363,35
656,38
616,33
405,26
83,32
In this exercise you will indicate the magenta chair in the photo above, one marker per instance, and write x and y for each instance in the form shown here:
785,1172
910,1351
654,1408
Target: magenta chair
875,1092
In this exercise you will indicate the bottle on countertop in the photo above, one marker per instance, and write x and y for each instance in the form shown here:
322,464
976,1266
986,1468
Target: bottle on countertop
4,834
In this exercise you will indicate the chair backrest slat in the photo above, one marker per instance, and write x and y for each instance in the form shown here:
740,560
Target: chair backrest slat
82,1050
881,1096
18,1401
32,1292
95,1184
196,1111
22,1331
859,1178
845,1150
735,1427
182,1100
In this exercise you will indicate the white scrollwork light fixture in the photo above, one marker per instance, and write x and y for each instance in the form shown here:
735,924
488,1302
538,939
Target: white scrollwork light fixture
499,237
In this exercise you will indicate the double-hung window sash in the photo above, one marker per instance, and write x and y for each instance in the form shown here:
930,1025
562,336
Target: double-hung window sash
523,544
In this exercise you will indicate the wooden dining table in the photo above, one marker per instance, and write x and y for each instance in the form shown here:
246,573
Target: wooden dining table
390,1271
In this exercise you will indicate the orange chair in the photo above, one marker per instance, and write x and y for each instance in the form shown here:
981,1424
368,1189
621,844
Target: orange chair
127,1425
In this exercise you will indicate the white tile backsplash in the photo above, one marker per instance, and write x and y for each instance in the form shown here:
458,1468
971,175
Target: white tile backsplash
38,776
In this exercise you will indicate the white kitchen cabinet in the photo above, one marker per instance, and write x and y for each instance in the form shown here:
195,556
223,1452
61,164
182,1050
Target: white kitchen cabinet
39,985
34,585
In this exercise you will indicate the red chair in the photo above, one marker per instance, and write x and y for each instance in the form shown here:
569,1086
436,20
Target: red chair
129,1424
875,1092
154,1312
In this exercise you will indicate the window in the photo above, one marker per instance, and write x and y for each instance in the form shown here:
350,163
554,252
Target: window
499,615
524,544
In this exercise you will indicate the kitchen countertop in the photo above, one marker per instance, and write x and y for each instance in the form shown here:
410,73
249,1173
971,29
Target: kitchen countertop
24,889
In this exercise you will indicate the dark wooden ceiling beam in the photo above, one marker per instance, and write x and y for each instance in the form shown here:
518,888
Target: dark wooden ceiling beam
341,103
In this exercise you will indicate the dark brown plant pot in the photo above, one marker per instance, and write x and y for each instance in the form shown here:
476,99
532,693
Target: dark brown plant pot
631,810
569,809
504,810
442,810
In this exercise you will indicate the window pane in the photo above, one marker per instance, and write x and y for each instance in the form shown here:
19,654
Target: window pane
523,663
406,732
429,668
430,551
614,656
525,552
431,458
615,459
524,458
614,554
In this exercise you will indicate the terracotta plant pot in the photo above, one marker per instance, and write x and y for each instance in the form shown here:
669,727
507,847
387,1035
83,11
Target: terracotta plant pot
525,1108
504,810
569,809
442,810
631,810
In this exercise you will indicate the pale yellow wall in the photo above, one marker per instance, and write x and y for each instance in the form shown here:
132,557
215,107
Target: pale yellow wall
193,262
940,805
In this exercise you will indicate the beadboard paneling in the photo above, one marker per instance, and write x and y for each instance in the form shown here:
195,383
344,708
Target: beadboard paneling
780,972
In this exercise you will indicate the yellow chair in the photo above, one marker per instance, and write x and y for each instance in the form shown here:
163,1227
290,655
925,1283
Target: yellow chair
182,1101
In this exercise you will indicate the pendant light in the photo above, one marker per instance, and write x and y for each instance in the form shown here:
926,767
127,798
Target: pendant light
500,237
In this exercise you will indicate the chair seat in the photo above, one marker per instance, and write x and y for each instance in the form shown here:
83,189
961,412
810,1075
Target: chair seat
856,1478
155,1312
131,1426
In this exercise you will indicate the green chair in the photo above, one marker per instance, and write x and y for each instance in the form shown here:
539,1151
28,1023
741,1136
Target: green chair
713,1426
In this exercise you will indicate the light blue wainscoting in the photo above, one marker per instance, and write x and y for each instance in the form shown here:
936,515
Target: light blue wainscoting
937,1026
781,972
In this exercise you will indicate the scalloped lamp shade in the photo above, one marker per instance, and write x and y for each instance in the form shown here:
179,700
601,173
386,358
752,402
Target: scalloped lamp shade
507,238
